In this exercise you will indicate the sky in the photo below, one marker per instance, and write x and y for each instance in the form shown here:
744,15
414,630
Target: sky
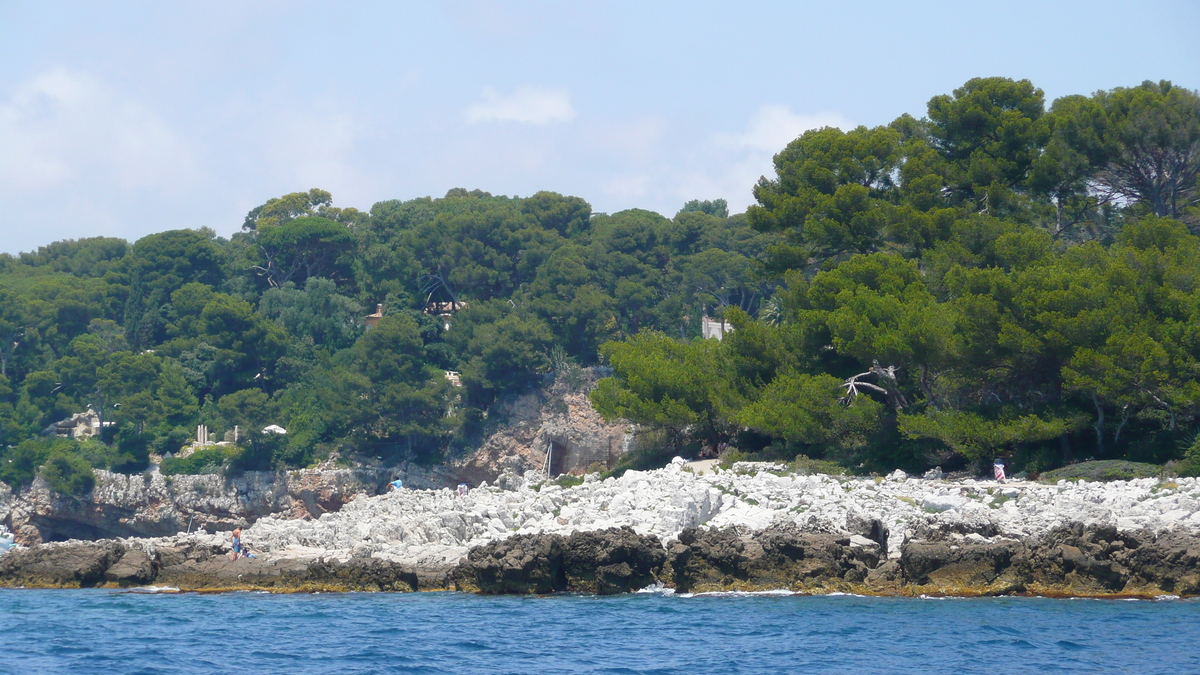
123,119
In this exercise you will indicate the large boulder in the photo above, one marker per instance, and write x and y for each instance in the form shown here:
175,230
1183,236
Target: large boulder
611,561
941,568
134,568
602,562
523,564
69,565
775,558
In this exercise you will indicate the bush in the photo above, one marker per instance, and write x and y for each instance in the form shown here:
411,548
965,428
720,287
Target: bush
68,474
1104,470
172,441
1190,464
568,481
259,452
806,466
19,464
133,451
204,461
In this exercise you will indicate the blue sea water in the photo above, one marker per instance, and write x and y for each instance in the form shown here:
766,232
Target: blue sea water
101,631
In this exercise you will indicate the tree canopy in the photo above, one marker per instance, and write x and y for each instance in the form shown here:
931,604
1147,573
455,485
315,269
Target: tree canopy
1001,276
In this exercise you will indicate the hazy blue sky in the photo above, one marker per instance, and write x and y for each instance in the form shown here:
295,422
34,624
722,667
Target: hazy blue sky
129,118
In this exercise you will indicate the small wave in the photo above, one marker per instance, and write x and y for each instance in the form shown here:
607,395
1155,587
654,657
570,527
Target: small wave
1166,597
743,594
657,588
153,589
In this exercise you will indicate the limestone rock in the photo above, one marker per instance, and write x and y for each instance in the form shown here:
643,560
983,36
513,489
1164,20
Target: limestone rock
68,565
605,562
135,568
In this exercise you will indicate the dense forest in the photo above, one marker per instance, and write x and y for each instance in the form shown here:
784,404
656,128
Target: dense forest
997,278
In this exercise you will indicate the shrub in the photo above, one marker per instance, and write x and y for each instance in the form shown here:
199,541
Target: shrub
18,465
172,441
807,466
68,474
1104,470
204,461
568,481
1190,464
133,451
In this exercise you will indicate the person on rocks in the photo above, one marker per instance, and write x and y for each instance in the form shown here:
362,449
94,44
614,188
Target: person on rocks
395,485
237,544
462,489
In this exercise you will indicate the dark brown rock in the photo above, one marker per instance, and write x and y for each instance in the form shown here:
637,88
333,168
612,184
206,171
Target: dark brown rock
71,565
602,562
964,569
776,558
135,568
611,561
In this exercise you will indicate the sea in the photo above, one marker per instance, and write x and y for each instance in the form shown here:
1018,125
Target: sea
109,631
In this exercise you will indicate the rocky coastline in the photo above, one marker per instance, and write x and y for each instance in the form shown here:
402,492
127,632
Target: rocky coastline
752,528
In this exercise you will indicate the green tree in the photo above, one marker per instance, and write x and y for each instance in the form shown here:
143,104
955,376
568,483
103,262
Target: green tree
159,264
1153,131
407,401
660,382
990,130
303,248
832,192
318,311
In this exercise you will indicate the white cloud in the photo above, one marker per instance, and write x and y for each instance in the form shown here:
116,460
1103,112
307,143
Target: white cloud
726,166
529,105
62,127
774,126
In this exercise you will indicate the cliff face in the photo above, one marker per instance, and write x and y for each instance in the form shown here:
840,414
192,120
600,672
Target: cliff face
557,421
152,505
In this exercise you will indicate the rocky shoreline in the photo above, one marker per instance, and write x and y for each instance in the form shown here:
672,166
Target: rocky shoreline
1073,561
754,528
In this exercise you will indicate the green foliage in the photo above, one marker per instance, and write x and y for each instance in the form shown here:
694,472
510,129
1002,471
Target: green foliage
208,460
1189,465
1106,470
833,190
806,466
568,481
68,474
979,438
19,464
997,277
664,383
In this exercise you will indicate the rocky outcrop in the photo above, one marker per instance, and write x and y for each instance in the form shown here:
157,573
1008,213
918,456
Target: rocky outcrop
557,420
753,527
202,564
1078,560
777,558
65,566
438,527
603,563
1071,561
152,505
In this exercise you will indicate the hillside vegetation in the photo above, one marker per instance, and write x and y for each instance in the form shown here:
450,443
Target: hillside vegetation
994,278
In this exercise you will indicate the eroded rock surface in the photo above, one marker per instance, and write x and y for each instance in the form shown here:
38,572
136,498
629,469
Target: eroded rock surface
1069,561
599,562
153,505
